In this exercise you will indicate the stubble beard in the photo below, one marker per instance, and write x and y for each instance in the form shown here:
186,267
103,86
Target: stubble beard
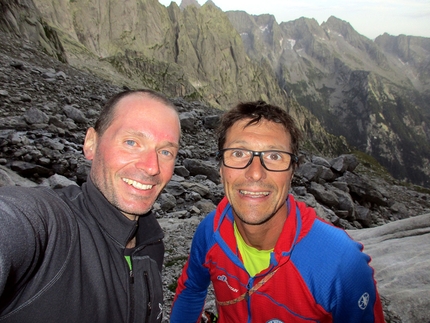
107,189
265,219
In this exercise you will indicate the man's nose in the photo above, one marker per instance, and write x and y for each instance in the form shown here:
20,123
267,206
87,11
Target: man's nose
148,162
255,170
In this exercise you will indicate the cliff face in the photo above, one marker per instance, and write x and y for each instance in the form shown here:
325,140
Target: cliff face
195,50
23,19
373,93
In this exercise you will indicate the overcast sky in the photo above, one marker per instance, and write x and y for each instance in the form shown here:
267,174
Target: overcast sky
370,18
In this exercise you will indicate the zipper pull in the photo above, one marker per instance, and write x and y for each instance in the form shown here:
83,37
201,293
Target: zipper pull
248,287
131,277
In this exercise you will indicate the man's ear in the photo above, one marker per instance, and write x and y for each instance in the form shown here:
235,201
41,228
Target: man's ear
90,143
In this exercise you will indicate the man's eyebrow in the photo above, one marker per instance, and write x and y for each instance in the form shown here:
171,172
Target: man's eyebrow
172,144
147,136
244,143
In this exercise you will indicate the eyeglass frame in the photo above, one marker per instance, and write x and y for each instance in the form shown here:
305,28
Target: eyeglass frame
294,158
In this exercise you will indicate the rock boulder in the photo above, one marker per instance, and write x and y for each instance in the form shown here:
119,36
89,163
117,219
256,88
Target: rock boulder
400,254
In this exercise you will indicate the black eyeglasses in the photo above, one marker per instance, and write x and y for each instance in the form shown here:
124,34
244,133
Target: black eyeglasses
272,160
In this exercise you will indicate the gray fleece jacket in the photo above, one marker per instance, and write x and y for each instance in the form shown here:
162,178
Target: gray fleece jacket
62,259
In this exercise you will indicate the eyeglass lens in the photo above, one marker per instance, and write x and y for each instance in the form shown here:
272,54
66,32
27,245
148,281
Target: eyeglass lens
271,160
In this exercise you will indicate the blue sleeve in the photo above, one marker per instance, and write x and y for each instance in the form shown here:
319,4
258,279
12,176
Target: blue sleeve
195,279
337,274
356,288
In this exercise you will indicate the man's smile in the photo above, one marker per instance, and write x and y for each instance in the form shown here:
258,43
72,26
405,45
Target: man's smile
254,194
137,185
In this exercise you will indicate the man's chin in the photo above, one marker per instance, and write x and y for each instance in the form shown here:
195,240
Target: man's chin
133,212
254,218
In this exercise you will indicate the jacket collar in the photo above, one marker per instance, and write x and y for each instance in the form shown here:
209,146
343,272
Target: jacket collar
297,225
116,224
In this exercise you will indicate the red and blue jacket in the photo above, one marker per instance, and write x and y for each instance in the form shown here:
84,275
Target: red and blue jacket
317,273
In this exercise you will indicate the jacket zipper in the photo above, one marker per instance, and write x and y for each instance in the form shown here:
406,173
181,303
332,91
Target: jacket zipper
149,304
247,300
148,290
132,305
132,302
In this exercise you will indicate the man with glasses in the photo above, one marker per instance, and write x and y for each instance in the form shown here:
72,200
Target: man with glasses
269,257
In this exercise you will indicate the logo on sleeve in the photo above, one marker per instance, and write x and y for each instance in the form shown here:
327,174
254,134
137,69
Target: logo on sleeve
363,301
274,321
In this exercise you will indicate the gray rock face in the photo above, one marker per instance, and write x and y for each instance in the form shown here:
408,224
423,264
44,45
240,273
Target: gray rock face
400,254
35,116
10,178
196,167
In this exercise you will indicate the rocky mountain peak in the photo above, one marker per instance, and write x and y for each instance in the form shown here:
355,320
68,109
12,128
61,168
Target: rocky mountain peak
303,29
409,54
186,3
212,3
341,27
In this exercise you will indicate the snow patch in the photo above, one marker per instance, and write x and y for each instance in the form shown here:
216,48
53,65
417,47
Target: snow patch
264,28
292,42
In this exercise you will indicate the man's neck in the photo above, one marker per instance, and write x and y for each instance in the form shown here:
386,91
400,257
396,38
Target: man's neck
131,244
263,236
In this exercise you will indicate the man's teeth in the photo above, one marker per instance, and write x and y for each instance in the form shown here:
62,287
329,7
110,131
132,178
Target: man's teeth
137,185
256,194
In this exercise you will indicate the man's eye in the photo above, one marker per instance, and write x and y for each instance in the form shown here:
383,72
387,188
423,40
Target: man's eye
274,156
130,142
238,153
167,153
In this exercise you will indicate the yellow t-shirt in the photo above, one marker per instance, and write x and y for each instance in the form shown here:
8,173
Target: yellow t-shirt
254,260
